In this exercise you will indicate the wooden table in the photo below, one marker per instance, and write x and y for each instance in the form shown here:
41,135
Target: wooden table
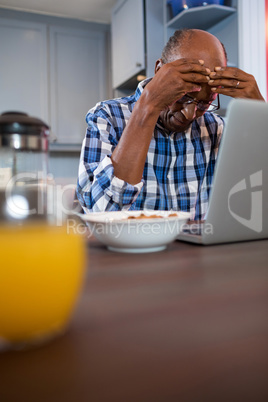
186,324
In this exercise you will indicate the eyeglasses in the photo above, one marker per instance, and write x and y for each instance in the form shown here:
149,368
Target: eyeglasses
201,105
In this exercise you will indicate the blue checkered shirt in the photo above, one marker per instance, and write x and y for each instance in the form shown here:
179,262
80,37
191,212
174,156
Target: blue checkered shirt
177,174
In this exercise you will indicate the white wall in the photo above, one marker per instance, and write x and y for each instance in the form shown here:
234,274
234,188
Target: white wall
251,40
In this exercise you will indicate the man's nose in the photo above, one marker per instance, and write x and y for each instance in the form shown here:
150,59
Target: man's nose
189,111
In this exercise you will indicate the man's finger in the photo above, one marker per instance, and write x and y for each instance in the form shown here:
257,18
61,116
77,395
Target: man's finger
231,83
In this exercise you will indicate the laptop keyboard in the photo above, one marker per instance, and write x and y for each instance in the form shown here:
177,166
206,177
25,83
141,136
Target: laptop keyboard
193,228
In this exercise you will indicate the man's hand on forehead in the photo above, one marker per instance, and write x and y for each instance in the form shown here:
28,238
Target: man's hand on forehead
195,69
232,81
175,79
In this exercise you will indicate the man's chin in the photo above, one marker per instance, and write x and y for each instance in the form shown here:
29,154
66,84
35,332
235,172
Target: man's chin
173,124
178,125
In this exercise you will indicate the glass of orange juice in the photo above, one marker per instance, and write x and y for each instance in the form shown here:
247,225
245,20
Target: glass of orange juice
41,273
41,264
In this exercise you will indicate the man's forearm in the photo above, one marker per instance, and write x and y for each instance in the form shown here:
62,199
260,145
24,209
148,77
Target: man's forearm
104,191
130,154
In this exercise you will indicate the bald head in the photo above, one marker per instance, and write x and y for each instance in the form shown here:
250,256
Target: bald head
195,43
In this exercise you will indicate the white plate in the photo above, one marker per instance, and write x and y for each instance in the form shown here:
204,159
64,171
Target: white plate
119,233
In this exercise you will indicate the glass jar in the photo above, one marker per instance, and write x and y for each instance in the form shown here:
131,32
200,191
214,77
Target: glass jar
24,144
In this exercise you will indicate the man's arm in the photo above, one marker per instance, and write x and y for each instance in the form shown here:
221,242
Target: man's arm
97,187
169,84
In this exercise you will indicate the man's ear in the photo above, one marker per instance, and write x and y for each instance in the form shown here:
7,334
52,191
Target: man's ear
158,65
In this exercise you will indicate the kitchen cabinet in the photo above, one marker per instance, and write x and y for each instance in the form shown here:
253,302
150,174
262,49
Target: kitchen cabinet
137,40
53,70
203,17
77,80
128,42
23,68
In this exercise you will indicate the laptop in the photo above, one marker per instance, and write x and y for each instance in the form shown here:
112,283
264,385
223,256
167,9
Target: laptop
238,202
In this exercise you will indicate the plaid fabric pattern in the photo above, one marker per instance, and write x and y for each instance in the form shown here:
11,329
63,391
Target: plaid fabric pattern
178,171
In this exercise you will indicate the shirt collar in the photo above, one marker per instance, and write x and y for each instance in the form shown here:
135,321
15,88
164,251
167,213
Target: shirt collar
141,87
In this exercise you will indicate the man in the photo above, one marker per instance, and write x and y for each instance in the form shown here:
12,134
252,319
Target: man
157,149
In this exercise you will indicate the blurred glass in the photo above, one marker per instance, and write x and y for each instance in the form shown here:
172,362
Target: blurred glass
42,262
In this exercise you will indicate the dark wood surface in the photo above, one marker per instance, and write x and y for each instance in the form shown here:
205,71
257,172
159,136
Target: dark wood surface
186,324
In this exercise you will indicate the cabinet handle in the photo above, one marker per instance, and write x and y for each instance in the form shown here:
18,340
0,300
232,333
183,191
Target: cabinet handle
138,64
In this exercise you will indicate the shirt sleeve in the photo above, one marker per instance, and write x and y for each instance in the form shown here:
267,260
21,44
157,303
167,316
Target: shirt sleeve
98,189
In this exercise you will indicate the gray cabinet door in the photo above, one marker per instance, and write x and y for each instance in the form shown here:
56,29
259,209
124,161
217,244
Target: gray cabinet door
77,80
128,55
23,67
